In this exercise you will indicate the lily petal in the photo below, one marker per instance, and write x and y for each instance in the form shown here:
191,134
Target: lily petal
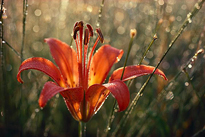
43,65
95,97
102,62
66,58
72,96
135,71
49,90
120,92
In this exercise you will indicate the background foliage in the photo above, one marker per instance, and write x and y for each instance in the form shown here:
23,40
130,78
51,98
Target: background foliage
173,108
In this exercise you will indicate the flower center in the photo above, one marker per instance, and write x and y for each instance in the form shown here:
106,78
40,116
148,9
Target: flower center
84,61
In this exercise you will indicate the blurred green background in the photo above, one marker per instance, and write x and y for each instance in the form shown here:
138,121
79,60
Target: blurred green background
165,108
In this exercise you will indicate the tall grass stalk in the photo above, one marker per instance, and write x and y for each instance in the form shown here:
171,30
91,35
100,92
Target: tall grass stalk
148,48
3,71
188,20
25,8
100,13
159,98
25,12
16,52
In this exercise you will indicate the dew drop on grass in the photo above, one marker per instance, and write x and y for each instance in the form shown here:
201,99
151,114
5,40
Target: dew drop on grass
189,66
186,83
170,95
36,110
189,20
197,6
98,24
118,59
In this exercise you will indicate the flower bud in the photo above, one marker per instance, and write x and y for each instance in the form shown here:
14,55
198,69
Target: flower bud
133,33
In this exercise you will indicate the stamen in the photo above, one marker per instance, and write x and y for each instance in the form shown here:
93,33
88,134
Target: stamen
86,41
79,27
80,64
101,39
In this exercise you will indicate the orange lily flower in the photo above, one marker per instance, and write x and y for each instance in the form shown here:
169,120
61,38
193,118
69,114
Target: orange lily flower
79,78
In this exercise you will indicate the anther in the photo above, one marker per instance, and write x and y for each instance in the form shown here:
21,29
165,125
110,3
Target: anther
76,29
75,25
86,36
80,24
100,35
90,28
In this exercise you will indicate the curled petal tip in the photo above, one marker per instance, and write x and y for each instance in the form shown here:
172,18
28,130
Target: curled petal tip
46,40
165,78
19,78
41,104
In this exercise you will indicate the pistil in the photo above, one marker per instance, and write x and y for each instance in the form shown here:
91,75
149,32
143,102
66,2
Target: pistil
99,38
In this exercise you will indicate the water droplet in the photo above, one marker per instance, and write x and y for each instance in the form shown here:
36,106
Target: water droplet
189,66
98,24
189,15
37,12
161,2
36,110
141,94
170,95
108,128
8,67
197,6
3,42
117,59
33,115
189,20
57,95
89,9
0,22
45,134
186,83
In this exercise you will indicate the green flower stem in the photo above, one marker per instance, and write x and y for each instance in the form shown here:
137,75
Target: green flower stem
188,19
145,53
111,117
82,129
